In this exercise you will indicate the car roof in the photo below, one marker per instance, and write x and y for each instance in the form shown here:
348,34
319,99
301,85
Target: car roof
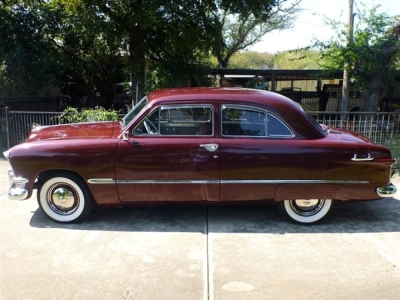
282,106
242,95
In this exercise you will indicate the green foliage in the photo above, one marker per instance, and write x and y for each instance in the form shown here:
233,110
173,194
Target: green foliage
301,60
72,115
252,60
370,58
30,59
242,24
372,51
297,60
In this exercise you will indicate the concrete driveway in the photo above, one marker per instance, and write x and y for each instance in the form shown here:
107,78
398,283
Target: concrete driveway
242,252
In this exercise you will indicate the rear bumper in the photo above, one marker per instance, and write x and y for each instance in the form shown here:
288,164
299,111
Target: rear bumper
17,191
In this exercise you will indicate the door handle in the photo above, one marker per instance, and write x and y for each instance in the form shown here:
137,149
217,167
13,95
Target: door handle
210,147
368,158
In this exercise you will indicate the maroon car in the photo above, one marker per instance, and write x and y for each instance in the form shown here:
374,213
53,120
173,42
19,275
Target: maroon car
200,145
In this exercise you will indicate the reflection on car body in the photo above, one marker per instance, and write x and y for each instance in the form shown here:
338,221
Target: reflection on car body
200,145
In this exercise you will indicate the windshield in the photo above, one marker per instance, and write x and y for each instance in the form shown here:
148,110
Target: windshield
134,112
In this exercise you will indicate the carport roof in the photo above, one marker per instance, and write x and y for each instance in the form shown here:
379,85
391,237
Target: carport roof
279,75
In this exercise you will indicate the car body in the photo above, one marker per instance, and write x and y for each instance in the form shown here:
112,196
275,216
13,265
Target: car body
200,145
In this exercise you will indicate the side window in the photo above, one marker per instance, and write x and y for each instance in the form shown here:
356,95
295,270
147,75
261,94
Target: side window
276,128
243,121
178,120
252,121
150,124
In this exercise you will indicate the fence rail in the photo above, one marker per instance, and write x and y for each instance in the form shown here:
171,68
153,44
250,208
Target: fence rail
381,128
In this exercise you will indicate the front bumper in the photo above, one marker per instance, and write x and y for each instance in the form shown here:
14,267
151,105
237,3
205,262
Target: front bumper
17,191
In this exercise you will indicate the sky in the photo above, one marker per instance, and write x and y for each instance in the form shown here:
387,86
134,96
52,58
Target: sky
310,23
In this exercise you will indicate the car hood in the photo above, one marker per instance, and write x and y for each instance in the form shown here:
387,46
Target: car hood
76,131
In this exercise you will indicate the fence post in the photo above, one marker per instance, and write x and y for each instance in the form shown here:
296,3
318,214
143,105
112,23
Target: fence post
7,112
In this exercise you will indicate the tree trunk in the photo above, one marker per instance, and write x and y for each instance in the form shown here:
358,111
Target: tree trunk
373,96
137,61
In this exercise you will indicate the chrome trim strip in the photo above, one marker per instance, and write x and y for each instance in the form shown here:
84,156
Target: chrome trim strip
292,181
112,181
167,181
232,181
101,181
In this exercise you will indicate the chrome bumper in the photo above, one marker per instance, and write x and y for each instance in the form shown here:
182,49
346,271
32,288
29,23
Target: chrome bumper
386,190
17,191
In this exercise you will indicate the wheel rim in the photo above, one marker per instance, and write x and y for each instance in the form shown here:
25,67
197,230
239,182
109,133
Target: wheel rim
307,207
63,199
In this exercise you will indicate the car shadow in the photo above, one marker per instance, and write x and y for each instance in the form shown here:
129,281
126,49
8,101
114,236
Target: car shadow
352,217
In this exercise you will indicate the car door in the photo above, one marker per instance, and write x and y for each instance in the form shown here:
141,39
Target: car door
172,154
258,152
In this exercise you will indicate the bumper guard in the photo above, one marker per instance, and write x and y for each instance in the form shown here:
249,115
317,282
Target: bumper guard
17,190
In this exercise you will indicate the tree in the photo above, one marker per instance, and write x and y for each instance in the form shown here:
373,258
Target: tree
170,35
29,61
243,24
371,57
54,43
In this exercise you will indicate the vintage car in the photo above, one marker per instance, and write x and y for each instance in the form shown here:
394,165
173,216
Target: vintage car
200,145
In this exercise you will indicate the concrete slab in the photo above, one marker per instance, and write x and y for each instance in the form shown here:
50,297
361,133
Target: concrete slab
199,253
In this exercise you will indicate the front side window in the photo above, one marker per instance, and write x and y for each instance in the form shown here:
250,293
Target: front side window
178,120
253,122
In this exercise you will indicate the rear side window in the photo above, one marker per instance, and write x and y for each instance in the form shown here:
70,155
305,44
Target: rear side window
253,122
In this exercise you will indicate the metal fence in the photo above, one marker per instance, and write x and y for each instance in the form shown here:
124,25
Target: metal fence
16,125
381,128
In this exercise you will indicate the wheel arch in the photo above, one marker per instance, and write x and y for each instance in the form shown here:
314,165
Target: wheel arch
44,175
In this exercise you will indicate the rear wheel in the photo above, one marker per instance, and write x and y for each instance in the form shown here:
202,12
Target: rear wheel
65,198
305,211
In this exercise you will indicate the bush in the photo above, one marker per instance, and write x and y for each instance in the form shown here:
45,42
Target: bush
72,115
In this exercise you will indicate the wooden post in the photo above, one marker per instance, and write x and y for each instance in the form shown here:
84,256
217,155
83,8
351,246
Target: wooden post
346,74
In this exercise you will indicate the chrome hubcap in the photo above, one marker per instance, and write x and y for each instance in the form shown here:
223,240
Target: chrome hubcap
62,199
307,207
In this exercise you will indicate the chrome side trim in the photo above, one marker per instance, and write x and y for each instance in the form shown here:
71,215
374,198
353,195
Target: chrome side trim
293,181
101,181
167,181
232,181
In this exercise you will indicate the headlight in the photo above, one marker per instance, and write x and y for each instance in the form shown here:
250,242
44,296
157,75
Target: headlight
6,153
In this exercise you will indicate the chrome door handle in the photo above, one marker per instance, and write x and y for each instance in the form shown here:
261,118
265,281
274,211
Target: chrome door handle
369,158
210,147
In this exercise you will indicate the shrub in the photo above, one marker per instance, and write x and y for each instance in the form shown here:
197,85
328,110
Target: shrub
72,115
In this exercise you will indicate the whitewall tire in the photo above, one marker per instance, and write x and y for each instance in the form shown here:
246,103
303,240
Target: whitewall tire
65,198
305,211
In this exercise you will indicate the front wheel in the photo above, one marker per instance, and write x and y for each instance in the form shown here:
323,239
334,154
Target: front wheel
305,211
65,198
